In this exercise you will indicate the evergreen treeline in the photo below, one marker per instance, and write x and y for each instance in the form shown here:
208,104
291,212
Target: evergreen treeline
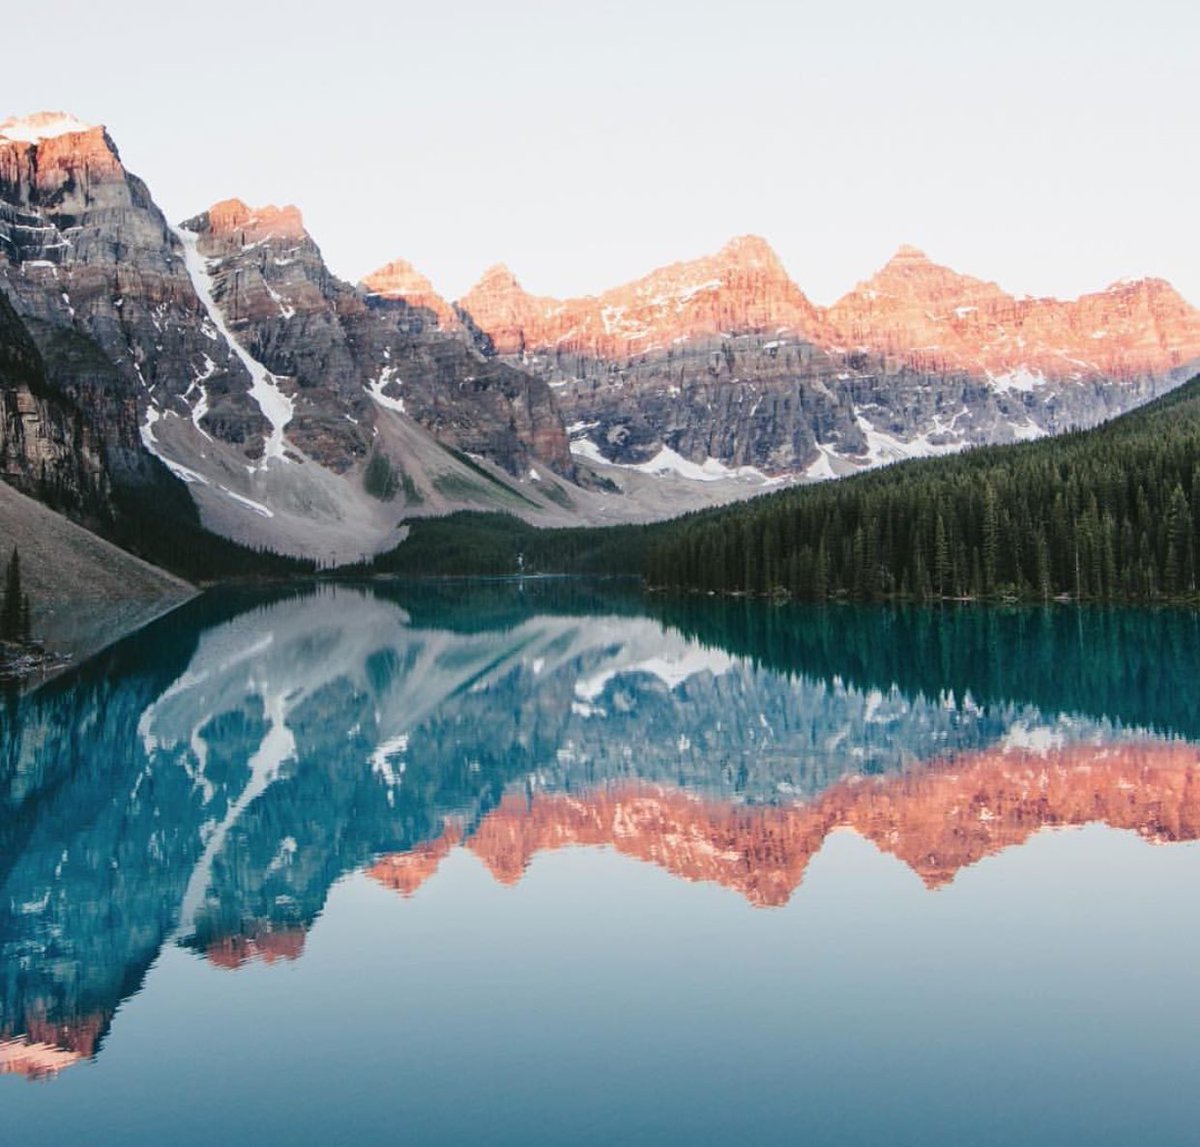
161,524
1111,513
475,543
15,623
1104,514
1093,660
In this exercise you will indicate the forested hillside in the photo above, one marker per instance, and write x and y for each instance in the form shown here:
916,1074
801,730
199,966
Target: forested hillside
1109,513
1106,514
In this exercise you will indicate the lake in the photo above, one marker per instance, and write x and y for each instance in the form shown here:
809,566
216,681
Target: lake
555,863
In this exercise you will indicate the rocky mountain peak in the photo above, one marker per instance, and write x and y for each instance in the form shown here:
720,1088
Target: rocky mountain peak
936,318
911,273
498,277
1149,288
751,251
741,287
255,223
55,155
907,254
399,279
512,319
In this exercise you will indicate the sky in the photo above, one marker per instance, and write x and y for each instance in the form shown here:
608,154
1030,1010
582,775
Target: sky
1050,145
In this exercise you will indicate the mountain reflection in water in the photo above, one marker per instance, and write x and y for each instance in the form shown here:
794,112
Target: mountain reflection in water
206,782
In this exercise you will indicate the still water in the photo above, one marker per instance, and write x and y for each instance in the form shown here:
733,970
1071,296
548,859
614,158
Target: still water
549,863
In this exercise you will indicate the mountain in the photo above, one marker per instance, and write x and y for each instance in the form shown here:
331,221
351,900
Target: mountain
301,413
940,320
344,353
400,280
1109,513
721,367
49,447
61,451
1106,514
743,287
218,374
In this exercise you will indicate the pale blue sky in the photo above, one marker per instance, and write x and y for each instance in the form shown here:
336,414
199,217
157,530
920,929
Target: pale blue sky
1051,146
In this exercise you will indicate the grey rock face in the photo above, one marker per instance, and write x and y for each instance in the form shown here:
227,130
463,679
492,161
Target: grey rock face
780,404
48,449
90,259
343,353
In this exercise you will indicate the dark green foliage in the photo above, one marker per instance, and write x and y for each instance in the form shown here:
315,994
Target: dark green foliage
558,495
456,487
14,610
161,524
412,496
380,479
471,464
1104,514
500,545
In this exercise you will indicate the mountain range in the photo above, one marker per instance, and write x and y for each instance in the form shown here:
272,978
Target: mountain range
314,417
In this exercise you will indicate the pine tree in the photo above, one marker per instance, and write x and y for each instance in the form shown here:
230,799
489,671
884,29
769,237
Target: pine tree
10,612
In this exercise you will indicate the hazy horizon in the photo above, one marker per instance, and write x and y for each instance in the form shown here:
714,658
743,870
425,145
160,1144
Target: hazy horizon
1047,147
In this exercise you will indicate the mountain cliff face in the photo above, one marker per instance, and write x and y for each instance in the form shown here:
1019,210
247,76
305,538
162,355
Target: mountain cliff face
227,350
345,353
720,364
48,447
100,280
939,320
311,416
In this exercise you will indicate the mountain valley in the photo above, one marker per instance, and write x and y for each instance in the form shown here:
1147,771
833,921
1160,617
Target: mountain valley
220,372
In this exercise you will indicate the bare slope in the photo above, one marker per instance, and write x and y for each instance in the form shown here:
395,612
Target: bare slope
85,592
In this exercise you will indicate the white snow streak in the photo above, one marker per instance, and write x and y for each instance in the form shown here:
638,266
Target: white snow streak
668,461
376,386
277,407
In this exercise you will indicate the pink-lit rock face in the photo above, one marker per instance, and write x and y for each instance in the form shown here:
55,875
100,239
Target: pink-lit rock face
44,1049
937,820
405,872
743,287
937,319
401,280
233,218
913,310
49,151
232,952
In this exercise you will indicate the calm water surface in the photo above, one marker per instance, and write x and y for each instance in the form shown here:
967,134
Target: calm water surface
550,864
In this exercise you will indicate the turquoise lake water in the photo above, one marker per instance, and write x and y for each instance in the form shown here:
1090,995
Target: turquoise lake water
554,863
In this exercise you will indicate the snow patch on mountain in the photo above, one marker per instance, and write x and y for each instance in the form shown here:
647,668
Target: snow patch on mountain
40,126
151,443
1022,379
376,387
668,461
277,407
883,448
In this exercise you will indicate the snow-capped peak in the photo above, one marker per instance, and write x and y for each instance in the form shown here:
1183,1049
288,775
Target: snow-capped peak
40,126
